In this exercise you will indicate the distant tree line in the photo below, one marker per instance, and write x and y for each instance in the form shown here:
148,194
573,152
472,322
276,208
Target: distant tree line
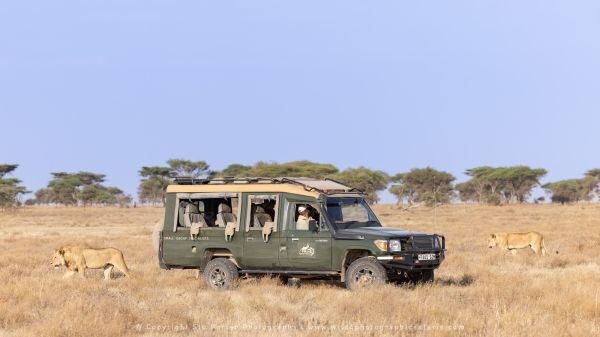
419,186
499,185
155,179
427,186
81,188
575,190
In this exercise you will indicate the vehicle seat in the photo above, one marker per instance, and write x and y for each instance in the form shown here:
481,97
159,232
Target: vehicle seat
194,214
224,215
261,217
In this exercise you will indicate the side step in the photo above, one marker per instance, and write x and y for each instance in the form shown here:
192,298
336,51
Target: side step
289,272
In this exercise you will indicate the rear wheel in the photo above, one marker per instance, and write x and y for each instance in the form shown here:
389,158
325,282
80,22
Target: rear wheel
365,272
221,274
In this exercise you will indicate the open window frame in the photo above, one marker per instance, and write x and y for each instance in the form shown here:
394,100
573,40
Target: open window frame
250,215
179,197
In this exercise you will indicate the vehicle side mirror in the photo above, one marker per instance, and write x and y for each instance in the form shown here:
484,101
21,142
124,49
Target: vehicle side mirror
313,226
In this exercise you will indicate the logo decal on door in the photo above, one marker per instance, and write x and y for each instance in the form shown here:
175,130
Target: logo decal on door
307,250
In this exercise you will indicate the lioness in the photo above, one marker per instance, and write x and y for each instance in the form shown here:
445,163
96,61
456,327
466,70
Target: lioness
77,259
514,241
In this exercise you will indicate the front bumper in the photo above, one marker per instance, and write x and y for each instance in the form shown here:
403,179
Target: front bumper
410,260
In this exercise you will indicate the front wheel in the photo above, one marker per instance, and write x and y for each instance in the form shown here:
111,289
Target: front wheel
365,272
221,274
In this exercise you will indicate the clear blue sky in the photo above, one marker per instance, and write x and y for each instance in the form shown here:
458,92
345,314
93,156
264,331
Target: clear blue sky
110,86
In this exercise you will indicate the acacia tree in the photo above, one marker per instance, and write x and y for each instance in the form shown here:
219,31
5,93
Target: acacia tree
497,185
593,181
235,170
564,191
519,181
155,179
402,190
364,179
469,191
361,178
81,188
188,168
65,187
426,185
101,195
302,168
574,190
10,188
486,185
593,173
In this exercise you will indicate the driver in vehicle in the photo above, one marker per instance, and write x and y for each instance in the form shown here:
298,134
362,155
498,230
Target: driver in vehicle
303,218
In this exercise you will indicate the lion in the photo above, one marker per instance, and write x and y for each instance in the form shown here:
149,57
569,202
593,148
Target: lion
514,241
78,259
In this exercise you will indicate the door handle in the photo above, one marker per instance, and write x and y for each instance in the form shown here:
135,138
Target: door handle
295,239
250,239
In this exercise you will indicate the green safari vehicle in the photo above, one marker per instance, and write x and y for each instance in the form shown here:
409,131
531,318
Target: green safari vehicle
289,227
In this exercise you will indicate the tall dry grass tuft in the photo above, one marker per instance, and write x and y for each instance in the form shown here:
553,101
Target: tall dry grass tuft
478,291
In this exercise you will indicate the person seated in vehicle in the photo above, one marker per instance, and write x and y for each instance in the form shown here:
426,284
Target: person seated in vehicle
303,218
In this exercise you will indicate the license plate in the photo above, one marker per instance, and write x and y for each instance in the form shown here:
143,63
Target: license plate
426,256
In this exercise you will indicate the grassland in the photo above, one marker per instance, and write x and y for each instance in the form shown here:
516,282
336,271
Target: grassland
478,291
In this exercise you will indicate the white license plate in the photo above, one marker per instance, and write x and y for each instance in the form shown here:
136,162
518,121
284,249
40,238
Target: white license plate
426,256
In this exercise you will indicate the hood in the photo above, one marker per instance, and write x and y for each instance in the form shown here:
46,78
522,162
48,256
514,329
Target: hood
386,232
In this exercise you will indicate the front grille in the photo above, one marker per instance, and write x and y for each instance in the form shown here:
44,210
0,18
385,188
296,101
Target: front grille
423,242
419,243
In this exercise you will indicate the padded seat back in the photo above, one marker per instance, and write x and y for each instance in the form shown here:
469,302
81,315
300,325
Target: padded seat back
261,217
194,214
225,215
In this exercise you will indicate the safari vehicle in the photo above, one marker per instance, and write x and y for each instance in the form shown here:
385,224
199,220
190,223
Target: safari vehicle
250,226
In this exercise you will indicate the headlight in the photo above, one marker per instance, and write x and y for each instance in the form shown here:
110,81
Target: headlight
382,244
395,246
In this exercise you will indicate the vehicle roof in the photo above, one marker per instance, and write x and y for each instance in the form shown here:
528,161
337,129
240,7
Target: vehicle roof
303,186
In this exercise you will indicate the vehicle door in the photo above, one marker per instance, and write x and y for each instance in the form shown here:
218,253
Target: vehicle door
304,248
261,248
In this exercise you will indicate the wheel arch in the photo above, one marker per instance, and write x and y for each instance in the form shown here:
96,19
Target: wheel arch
214,252
350,255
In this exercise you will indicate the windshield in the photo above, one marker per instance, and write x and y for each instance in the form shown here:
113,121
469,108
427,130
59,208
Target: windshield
347,213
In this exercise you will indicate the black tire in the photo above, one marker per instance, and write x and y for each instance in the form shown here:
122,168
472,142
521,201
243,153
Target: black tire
283,279
289,281
422,276
365,272
221,274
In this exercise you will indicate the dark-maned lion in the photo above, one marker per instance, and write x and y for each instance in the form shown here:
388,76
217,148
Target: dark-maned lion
77,259
514,241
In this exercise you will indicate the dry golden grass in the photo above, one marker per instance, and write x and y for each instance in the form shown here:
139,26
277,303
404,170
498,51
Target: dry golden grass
478,291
